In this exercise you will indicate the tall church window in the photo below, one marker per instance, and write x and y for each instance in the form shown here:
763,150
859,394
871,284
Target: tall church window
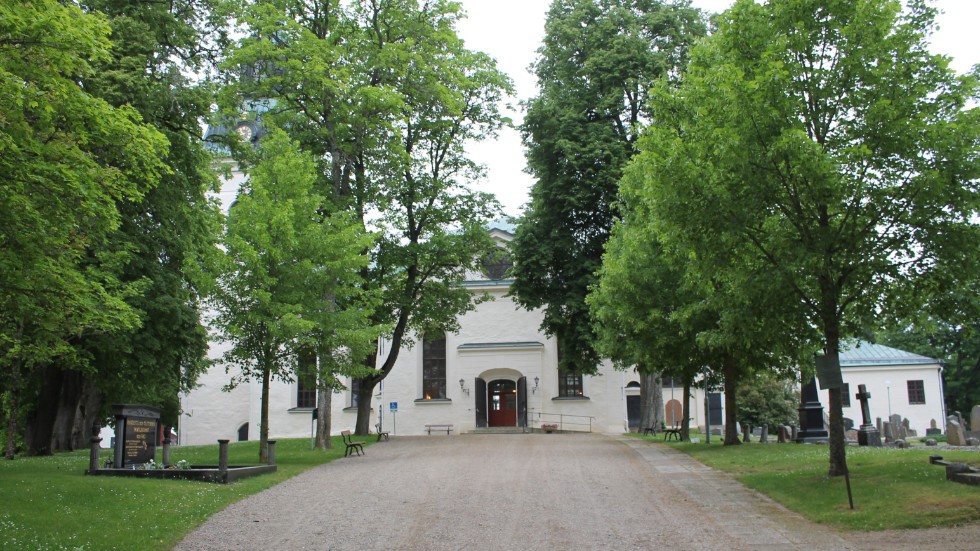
569,384
306,381
355,387
434,367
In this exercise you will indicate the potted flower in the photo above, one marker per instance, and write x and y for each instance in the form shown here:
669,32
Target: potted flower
549,427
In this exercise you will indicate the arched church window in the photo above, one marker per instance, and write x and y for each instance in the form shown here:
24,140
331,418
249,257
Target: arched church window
496,265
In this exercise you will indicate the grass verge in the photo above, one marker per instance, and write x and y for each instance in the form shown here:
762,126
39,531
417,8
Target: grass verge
49,503
892,488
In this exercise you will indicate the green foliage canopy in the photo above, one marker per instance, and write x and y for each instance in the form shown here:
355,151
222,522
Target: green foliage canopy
825,137
599,61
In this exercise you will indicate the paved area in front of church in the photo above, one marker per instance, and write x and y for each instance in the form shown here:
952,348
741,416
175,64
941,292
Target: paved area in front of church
512,491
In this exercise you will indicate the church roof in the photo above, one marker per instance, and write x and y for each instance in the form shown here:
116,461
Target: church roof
859,353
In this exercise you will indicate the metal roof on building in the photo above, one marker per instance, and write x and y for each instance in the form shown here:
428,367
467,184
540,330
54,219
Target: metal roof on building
855,353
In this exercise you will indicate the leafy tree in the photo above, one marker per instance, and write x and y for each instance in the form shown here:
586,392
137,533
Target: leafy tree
285,258
67,158
947,329
825,139
766,398
599,60
384,95
166,238
633,307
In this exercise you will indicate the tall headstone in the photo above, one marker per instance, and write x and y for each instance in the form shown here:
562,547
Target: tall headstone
975,419
954,431
898,430
888,432
811,415
868,435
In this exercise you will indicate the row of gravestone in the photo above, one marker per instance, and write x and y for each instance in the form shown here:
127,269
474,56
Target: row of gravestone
958,433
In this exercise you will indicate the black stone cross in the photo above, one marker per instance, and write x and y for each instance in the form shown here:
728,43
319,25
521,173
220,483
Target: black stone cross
867,434
863,395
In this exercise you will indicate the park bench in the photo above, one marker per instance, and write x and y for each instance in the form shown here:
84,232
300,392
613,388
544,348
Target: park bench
352,446
381,434
430,428
674,432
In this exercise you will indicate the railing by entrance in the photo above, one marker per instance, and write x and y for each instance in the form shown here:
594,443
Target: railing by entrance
565,422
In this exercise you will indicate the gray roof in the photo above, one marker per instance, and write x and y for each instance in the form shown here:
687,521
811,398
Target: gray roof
855,353
506,225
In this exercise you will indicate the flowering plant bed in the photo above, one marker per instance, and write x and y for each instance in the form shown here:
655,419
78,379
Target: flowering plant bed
549,427
206,473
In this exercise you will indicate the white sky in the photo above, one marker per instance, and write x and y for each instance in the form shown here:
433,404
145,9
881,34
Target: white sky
511,30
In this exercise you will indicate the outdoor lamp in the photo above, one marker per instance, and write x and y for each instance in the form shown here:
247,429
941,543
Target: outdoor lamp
462,386
535,389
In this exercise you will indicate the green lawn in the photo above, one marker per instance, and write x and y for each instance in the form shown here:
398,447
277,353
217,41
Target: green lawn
892,488
49,503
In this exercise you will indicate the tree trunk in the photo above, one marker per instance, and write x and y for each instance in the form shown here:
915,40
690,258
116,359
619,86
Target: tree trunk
365,392
88,420
264,418
324,401
13,413
40,423
838,444
651,407
69,400
730,367
686,405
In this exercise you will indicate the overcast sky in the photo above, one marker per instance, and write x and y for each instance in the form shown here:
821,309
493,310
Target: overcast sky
511,30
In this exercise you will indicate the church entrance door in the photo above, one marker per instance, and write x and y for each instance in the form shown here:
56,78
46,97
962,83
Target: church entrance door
502,403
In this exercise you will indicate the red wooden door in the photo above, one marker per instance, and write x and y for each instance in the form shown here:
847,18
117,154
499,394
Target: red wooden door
502,404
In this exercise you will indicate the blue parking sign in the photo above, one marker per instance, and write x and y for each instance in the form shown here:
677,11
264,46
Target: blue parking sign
393,406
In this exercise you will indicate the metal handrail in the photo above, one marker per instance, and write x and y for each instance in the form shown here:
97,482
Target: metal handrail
563,420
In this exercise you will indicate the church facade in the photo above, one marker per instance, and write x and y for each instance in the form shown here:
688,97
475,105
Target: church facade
501,371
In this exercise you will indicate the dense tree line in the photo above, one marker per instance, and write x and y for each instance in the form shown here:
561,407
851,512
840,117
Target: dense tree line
816,169
107,237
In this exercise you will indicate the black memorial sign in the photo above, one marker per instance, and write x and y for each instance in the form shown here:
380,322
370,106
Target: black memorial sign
136,435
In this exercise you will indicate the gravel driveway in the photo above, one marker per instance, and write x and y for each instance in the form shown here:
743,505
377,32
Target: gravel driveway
512,491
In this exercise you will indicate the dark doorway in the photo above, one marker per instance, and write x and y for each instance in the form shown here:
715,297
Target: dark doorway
502,403
480,389
243,433
633,412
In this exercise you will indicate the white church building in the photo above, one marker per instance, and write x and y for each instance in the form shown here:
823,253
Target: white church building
498,370
501,370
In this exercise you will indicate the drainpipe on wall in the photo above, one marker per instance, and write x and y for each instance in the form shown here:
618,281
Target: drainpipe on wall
942,395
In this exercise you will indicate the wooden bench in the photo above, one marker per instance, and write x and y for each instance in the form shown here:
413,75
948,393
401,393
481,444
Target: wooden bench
381,434
352,446
430,428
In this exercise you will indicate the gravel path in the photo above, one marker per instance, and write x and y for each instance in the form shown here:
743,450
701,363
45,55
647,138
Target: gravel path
547,492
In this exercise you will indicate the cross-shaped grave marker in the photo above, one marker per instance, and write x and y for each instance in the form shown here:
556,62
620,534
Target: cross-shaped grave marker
868,435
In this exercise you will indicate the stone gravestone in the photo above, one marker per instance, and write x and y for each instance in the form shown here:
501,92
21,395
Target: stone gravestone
954,432
784,434
136,435
933,430
868,435
909,431
975,419
898,429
